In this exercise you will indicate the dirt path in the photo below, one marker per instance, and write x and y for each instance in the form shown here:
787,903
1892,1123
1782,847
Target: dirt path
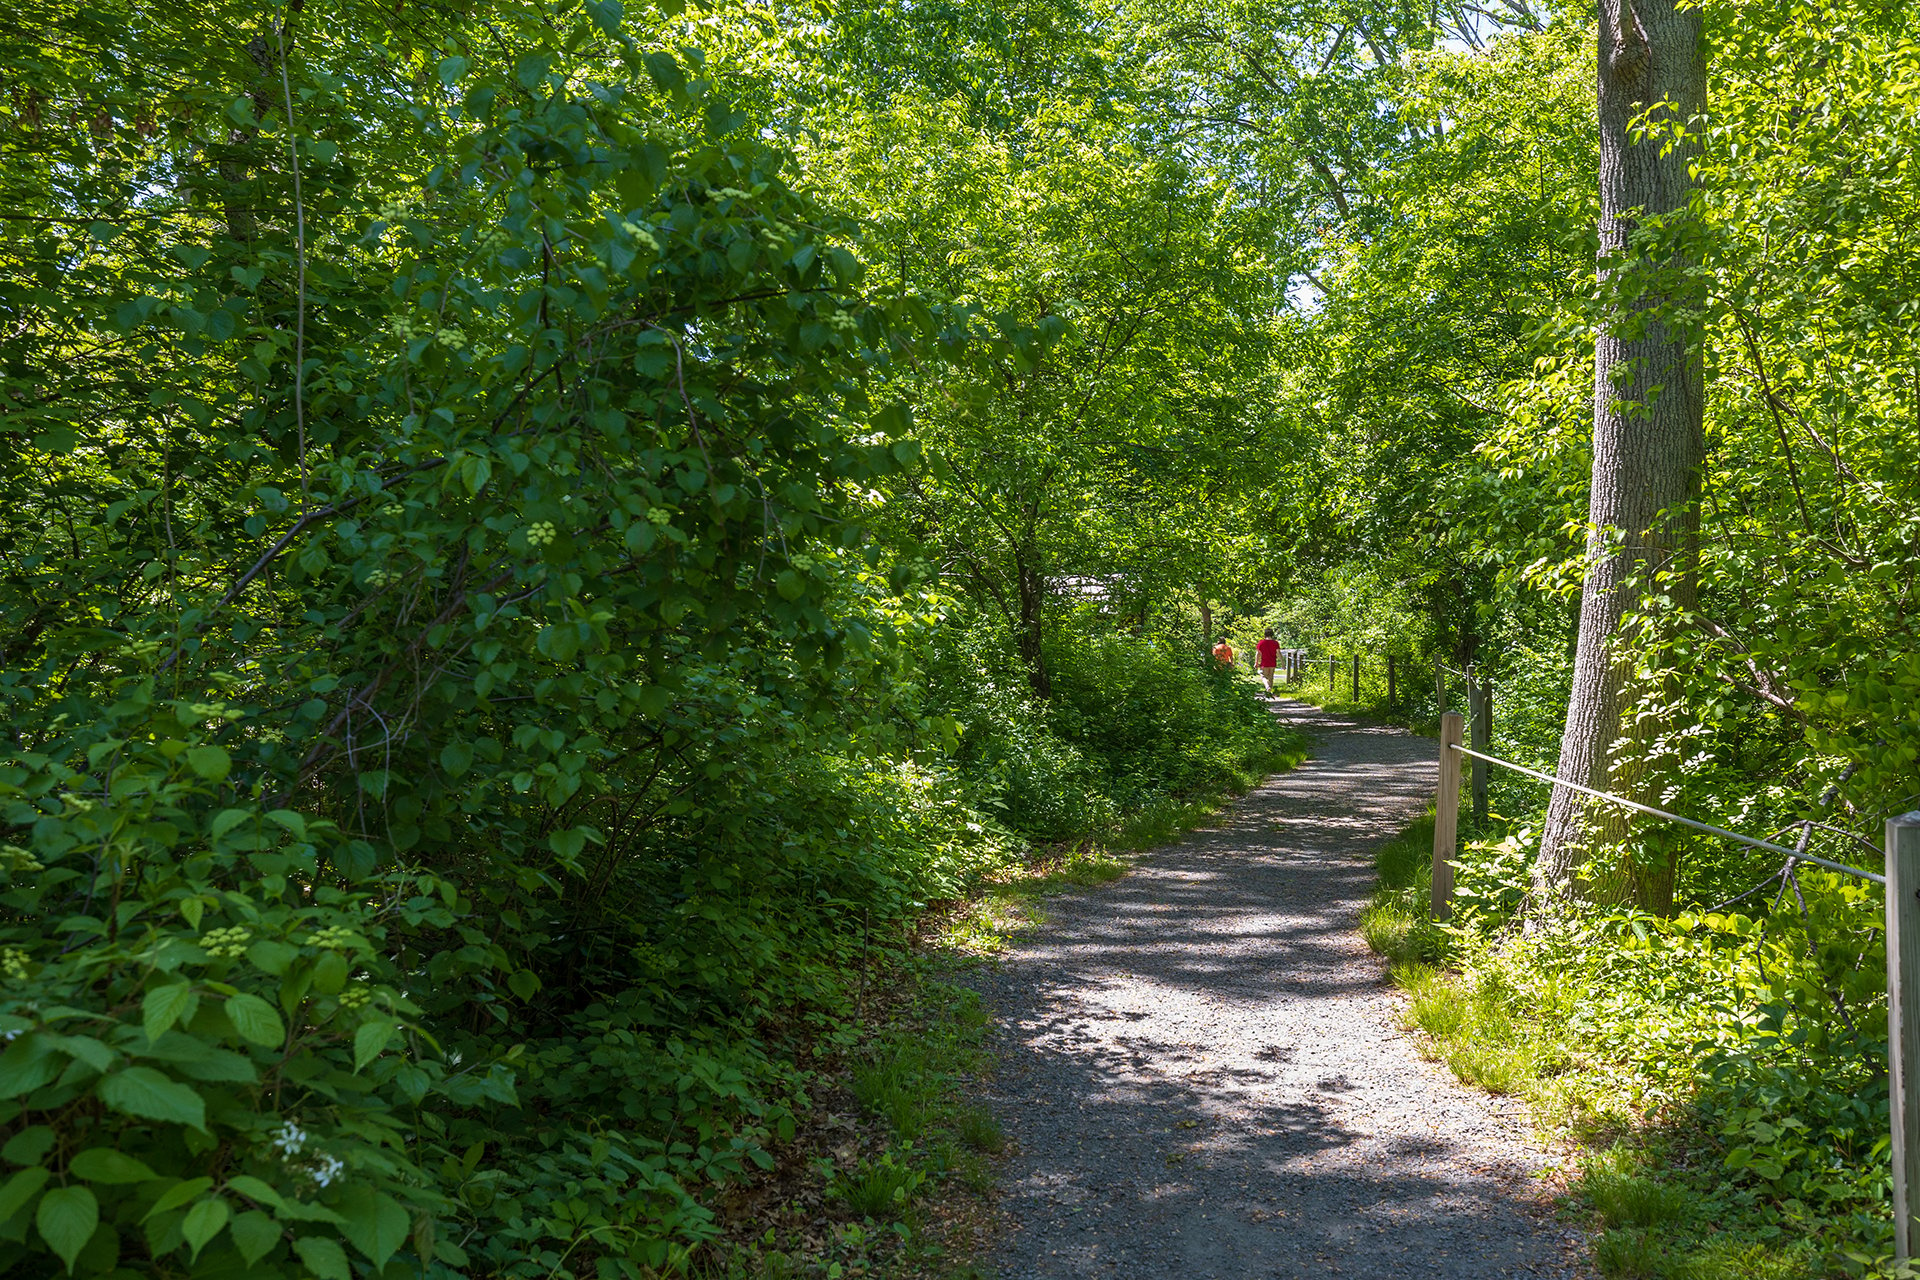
1202,1074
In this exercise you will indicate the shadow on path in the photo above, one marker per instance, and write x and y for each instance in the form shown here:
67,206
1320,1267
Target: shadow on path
1202,1075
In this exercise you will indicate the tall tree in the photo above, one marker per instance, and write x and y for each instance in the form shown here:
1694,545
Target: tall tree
1647,439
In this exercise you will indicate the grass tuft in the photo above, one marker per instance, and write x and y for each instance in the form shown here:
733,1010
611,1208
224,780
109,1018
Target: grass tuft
981,1132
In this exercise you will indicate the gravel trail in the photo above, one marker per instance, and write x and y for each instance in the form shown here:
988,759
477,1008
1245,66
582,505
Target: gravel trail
1202,1075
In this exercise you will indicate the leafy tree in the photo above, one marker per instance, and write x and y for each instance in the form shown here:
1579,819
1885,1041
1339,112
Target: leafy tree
1648,403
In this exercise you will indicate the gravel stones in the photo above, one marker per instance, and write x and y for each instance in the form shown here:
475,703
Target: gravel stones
1201,1070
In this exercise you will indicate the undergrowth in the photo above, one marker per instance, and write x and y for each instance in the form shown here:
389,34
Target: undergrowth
1728,1122
892,1164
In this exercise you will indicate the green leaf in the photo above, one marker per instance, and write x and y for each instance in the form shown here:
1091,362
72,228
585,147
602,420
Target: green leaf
456,758
27,1064
330,973
665,71
227,819
164,1006
103,1164
256,1020
66,1219
177,1195
144,1092
209,761
203,1222
325,1258
305,1211
451,69
21,1188
370,1039
256,1190
524,983
287,820
254,1235
272,956
28,1146
85,1049
376,1224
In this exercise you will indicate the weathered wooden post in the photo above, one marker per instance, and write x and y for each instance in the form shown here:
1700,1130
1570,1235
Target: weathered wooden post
1391,700
1440,683
1479,727
1446,814
1903,1025
1333,674
1356,677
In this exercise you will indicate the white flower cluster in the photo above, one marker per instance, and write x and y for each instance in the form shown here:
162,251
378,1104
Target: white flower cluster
843,321
659,516
292,1140
451,339
541,532
331,938
226,944
355,997
378,578
326,1170
13,963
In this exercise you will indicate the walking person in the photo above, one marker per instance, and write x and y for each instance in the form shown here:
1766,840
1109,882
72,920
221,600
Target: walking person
1268,652
1223,653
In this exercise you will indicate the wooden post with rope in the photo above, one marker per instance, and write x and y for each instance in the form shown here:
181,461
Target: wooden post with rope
1391,700
1903,1025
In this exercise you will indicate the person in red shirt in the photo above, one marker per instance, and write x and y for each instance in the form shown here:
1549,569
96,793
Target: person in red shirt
1268,651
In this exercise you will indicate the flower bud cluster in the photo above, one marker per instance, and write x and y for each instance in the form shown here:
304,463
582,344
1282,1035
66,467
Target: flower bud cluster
226,944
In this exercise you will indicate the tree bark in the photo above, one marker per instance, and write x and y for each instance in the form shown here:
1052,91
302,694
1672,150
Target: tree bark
1647,440
1031,634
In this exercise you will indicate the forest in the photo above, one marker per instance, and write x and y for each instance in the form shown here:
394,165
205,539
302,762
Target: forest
549,548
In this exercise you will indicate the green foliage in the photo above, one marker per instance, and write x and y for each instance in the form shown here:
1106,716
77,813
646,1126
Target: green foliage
432,601
882,1188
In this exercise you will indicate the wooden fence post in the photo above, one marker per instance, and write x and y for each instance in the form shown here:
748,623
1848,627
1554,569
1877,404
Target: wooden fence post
1440,683
1446,814
1480,727
1903,1025
1356,677
1391,700
1333,674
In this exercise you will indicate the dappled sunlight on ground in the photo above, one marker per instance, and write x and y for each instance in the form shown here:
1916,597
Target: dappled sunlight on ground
1203,1075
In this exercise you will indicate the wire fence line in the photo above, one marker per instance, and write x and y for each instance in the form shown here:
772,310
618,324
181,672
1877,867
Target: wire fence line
1695,823
1901,882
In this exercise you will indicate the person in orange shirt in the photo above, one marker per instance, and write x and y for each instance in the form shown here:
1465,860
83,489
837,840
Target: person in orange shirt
1223,653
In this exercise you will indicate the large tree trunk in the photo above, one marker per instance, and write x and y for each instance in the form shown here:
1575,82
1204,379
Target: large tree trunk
1647,442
